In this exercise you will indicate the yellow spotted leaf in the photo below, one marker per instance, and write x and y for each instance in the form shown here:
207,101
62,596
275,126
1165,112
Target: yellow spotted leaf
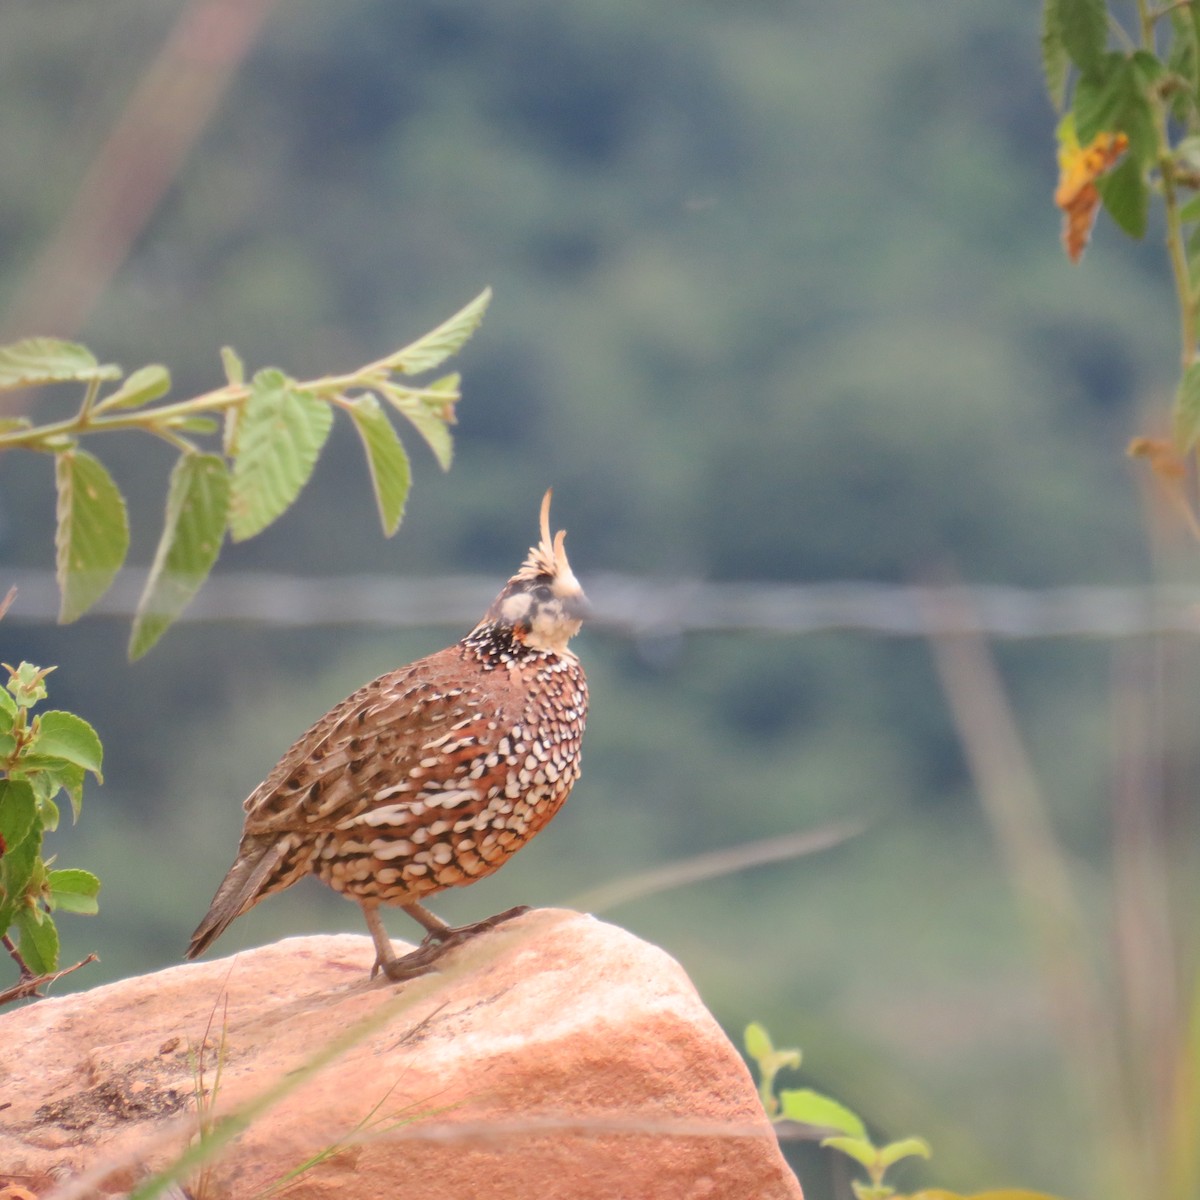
1079,167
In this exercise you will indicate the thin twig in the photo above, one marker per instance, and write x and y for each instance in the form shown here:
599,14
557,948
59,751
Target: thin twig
30,983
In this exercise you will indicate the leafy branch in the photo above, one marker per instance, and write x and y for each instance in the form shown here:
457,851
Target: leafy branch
1131,133
246,451
840,1128
41,757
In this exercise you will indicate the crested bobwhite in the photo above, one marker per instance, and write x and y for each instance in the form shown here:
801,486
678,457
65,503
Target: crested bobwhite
430,776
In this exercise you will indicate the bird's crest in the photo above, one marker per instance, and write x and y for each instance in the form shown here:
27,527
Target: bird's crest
548,557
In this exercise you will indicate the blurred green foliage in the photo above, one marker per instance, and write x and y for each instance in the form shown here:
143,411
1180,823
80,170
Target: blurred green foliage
779,295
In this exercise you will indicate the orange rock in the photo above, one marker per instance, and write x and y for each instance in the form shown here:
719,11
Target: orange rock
555,1057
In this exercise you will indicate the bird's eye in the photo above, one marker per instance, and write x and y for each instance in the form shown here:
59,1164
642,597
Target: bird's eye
542,592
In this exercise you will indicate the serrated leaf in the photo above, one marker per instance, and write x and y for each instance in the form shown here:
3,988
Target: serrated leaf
1114,100
39,940
18,812
68,738
812,1108
17,866
857,1148
431,418
1055,62
1083,27
909,1147
144,385
74,891
387,460
282,431
41,360
439,344
1126,196
92,537
758,1042
1186,412
193,530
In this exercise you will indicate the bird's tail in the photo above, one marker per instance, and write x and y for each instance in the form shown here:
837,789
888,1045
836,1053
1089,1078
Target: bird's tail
248,881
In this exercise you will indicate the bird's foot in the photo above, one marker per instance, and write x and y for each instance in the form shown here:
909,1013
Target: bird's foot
438,942
454,935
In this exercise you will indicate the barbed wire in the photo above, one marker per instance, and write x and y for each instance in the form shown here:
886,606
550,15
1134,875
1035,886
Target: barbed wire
642,607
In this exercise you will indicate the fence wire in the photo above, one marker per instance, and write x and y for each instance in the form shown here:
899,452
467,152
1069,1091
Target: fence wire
644,607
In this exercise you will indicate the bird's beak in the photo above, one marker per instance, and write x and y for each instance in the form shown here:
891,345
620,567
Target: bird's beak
577,606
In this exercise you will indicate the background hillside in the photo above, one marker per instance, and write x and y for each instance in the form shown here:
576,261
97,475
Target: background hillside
779,297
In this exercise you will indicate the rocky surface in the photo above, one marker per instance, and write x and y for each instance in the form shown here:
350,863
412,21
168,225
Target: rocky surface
554,1057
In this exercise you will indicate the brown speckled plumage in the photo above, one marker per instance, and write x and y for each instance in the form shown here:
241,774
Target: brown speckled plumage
430,776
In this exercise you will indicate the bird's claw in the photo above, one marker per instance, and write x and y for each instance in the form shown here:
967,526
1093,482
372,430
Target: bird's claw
421,961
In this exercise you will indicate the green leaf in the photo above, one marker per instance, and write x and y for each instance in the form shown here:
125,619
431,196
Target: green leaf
39,940
1126,196
74,891
93,531
430,414
18,812
812,1108
8,705
857,1148
282,431
235,373
194,528
439,344
144,385
64,736
17,867
48,810
909,1147
387,460
235,369
758,1042
1054,53
1190,212
1186,413
1083,27
1114,100
41,360
185,424
27,684
7,424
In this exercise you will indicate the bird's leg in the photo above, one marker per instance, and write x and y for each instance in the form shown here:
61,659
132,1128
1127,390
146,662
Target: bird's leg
385,957
439,937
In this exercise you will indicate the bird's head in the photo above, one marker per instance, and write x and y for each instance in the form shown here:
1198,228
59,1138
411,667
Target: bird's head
542,603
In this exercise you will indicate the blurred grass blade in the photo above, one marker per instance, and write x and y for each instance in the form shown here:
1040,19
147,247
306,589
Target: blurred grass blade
41,360
193,530
441,343
92,537
387,460
1036,866
713,866
280,435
